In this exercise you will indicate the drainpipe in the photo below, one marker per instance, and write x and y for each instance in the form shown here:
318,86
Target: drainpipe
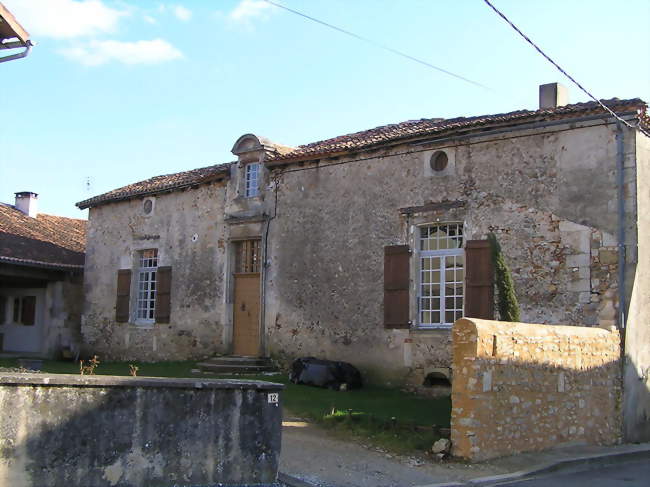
265,263
20,55
620,162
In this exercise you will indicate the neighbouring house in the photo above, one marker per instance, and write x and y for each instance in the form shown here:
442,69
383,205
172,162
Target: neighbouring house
368,246
41,280
12,36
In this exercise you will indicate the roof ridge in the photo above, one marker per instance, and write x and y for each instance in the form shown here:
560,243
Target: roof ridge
61,216
385,133
157,184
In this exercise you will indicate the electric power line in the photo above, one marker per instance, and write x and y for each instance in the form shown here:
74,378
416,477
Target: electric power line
538,49
376,44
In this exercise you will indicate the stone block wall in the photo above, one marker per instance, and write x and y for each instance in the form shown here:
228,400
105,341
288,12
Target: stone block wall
65,430
525,387
187,230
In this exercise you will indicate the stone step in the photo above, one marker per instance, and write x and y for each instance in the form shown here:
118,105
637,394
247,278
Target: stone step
235,360
236,365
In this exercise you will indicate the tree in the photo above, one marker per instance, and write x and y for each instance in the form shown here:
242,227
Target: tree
507,298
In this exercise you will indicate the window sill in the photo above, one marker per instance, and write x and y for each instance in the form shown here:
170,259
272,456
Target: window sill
143,325
430,329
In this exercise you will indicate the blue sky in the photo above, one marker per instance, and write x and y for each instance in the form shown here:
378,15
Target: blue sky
119,91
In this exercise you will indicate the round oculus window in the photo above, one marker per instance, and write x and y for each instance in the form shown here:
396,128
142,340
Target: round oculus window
147,206
439,161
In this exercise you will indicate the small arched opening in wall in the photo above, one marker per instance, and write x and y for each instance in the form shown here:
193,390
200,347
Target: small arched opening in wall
436,379
436,383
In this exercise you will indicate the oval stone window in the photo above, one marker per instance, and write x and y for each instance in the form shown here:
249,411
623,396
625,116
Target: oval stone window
439,161
147,206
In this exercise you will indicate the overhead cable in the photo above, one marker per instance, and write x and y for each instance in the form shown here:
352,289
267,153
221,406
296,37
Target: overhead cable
376,44
538,49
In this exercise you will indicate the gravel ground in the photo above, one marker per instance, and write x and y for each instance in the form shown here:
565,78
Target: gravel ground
312,454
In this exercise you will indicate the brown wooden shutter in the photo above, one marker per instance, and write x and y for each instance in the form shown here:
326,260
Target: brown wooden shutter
163,294
123,295
479,280
396,286
28,315
3,311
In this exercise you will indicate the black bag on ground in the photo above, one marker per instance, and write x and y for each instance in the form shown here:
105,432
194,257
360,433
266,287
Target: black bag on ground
325,373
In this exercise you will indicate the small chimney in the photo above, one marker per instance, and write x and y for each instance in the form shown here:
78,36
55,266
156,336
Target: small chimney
553,95
27,202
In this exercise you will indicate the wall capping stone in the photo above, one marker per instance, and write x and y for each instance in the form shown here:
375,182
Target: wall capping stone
71,380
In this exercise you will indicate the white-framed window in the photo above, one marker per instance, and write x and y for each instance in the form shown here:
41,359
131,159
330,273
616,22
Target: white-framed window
252,179
441,275
146,298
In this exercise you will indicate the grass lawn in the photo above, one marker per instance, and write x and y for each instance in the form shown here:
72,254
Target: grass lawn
155,369
389,418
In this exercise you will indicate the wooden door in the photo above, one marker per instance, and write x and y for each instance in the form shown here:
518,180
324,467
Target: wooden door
246,306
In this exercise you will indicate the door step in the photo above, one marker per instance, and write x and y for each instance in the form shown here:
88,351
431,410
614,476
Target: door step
236,365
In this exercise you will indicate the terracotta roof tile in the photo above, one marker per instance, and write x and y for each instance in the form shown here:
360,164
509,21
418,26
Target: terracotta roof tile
159,184
53,241
367,139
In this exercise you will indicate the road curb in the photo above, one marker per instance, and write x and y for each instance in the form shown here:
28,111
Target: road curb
583,462
292,481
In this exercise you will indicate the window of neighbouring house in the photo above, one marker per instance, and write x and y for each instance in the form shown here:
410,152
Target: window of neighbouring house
247,257
3,309
146,298
24,310
252,180
441,275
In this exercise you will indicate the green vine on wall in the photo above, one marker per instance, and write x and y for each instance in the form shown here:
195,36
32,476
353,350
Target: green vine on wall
507,298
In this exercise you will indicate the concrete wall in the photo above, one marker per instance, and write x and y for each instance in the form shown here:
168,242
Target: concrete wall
549,195
522,387
187,229
636,408
63,430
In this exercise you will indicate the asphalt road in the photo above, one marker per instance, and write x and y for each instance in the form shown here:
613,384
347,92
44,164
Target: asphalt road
635,474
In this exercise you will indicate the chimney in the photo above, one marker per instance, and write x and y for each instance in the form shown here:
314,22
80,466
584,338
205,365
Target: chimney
27,202
553,95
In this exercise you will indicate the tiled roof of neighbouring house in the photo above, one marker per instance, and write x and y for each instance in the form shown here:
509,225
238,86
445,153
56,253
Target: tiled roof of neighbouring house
367,139
159,184
45,241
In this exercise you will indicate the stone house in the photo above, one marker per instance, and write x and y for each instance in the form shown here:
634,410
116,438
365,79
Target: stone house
368,246
41,277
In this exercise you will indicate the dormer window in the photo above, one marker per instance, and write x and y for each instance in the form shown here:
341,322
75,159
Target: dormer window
252,180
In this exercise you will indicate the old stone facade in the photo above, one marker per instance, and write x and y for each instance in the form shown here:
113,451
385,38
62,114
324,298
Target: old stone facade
285,252
531,191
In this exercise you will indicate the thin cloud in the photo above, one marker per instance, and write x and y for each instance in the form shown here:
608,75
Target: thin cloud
248,10
182,13
66,19
96,53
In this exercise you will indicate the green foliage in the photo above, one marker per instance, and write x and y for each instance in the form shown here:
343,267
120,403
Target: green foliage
398,421
508,304
396,436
